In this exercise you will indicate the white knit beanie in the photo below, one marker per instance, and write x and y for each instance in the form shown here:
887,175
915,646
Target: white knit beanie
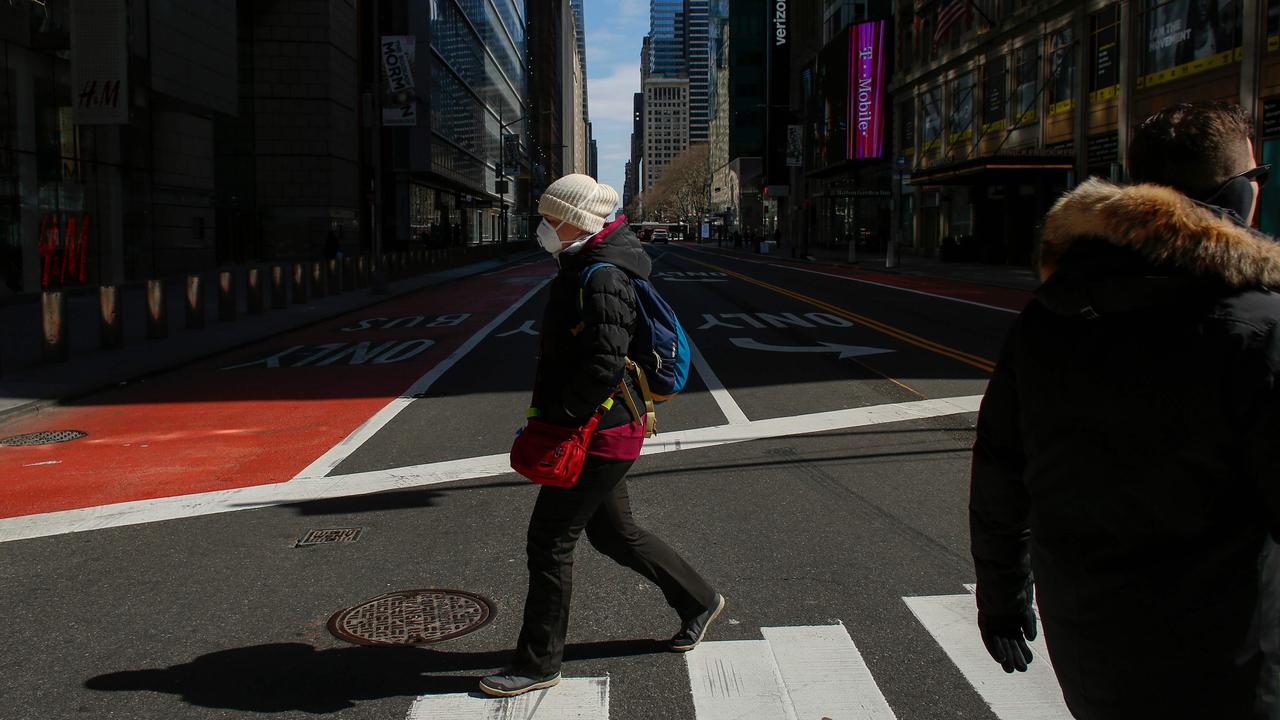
580,201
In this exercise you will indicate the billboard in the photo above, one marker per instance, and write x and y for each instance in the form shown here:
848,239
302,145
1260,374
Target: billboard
1185,37
866,91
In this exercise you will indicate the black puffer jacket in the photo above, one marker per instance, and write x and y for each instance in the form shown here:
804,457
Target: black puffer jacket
577,372
1129,451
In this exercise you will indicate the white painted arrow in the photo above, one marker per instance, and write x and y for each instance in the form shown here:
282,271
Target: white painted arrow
846,351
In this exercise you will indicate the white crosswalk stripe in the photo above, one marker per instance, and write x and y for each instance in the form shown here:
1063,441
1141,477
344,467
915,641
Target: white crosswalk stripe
795,673
813,672
572,699
1033,695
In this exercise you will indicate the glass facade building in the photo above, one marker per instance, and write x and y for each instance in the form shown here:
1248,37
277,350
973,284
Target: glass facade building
478,89
667,30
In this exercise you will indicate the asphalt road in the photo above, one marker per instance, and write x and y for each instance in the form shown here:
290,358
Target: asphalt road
815,470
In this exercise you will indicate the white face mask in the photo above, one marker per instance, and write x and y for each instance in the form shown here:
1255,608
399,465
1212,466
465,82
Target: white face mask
549,237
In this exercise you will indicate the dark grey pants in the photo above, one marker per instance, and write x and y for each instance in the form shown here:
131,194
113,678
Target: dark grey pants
599,504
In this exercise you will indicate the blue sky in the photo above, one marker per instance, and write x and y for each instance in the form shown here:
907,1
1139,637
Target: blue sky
615,32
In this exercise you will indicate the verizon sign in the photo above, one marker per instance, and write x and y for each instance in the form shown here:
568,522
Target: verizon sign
99,62
779,22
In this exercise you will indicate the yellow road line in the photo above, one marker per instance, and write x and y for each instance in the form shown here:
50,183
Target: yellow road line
976,361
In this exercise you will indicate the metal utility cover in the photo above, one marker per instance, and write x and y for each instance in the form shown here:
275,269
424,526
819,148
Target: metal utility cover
46,437
411,617
328,536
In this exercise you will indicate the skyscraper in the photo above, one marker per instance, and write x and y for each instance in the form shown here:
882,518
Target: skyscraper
698,61
667,44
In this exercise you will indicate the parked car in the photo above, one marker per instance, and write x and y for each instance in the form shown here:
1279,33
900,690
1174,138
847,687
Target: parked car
660,235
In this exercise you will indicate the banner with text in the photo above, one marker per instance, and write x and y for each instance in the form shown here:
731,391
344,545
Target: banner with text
399,103
866,91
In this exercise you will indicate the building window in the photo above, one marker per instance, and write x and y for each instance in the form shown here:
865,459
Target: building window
960,122
1026,77
1183,38
931,117
995,80
1062,70
1104,53
907,123
1273,25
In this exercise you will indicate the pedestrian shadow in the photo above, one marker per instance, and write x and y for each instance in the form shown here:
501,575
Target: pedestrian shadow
283,677
386,500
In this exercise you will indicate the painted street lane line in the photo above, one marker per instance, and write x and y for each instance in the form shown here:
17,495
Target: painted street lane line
778,320
732,413
736,679
937,284
325,464
690,276
825,675
572,699
961,356
846,351
1033,695
526,328
318,488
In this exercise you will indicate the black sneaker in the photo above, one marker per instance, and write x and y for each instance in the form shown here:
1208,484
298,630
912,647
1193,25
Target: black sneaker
508,684
696,628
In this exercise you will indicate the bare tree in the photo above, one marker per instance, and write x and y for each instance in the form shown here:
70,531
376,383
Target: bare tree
679,195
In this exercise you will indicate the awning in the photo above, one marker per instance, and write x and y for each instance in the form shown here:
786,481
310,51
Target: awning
993,170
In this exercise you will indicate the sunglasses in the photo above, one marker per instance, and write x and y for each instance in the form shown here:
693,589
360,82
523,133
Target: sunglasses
1258,174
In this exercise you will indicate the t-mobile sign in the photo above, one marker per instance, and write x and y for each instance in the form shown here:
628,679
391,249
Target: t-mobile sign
866,90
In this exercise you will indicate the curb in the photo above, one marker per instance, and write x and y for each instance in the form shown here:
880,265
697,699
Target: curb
36,407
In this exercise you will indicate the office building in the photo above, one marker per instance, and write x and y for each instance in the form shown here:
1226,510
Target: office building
666,125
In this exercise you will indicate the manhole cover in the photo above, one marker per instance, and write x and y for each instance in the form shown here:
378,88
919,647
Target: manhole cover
328,536
410,617
47,437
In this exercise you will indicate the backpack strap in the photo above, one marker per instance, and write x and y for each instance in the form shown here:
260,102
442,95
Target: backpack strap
651,414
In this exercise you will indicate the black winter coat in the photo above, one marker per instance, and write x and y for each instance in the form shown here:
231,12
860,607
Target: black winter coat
1129,452
577,372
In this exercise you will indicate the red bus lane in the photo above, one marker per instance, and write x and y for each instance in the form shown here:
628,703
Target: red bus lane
253,416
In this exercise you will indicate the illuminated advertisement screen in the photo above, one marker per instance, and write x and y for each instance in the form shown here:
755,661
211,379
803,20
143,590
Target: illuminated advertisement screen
866,90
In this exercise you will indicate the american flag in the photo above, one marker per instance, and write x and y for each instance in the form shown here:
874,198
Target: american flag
950,12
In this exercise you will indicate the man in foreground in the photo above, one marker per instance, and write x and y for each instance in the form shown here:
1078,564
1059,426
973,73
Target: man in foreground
1129,443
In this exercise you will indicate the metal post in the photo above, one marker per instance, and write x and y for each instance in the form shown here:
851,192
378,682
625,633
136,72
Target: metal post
53,326
227,295
299,283
194,301
375,149
279,291
110,329
157,311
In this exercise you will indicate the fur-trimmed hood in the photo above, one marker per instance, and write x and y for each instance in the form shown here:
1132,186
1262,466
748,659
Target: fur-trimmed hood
1165,227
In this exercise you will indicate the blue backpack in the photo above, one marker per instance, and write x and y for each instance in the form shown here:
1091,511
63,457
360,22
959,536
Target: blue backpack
662,352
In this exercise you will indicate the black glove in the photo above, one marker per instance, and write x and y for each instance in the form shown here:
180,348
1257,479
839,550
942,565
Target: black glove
1004,637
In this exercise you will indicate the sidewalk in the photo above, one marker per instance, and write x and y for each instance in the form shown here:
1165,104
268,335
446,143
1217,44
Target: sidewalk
29,390
1004,276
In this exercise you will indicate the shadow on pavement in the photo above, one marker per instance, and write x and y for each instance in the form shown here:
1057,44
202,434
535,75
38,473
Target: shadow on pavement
410,499
295,676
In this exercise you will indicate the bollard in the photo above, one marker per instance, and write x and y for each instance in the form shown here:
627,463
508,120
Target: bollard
279,293
317,279
157,313
226,295
53,326
194,302
331,276
362,272
110,328
299,283
253,291
348,274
